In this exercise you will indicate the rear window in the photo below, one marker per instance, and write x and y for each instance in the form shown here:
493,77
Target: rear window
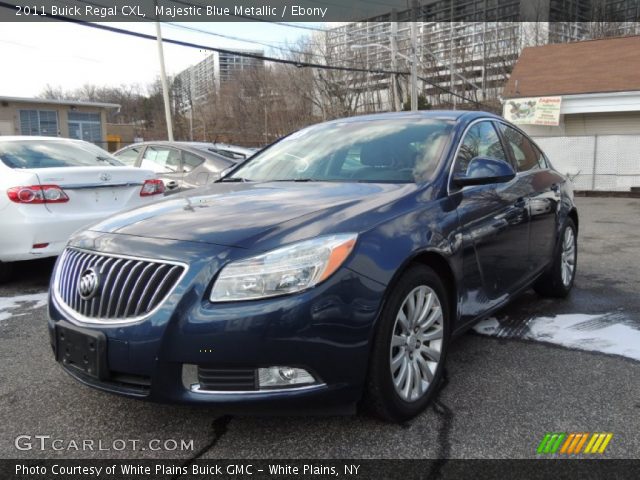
50,154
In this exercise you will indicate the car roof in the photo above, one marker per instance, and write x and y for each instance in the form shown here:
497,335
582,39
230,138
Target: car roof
38,138
182,146
448,115
222,146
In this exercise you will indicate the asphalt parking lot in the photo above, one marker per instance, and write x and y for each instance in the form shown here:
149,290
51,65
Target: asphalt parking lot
505,388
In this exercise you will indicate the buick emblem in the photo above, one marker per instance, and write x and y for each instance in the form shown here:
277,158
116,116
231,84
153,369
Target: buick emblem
105,177
89,284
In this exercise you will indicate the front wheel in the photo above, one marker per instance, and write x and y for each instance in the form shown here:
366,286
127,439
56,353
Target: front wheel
558,280
410,346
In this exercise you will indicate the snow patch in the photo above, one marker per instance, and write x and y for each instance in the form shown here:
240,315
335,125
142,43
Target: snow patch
31,301
600,333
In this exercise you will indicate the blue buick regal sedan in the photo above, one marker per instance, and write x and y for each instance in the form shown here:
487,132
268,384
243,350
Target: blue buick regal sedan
332,269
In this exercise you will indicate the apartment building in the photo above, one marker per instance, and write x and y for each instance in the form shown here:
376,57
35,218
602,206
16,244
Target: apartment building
199,80
465,46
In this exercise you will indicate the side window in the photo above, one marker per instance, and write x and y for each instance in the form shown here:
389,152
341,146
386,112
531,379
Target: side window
190,161
527,157
161,160
480,140
542,160
129,156
352,160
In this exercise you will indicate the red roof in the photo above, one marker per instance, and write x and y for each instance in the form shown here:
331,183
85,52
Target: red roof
594,66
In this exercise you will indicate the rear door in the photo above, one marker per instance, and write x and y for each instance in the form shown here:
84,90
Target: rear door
541,186
199,170
167,163
494,223
130,156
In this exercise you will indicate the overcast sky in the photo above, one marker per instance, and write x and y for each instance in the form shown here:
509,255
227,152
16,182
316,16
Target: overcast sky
33,55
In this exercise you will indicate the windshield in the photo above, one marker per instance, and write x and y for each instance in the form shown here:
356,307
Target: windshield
53,153
385,151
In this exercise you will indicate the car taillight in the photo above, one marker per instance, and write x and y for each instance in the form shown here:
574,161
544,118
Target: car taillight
37,194
152,187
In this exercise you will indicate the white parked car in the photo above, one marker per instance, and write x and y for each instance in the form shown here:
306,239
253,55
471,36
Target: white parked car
51,187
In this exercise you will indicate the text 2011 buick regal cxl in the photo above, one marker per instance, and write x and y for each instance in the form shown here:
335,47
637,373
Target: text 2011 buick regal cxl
334,266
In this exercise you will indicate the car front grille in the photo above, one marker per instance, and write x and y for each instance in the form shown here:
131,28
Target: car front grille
127,288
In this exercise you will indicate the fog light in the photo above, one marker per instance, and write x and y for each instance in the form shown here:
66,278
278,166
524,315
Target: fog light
283,377
189,375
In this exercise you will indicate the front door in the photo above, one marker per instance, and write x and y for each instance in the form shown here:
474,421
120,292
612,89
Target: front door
495,222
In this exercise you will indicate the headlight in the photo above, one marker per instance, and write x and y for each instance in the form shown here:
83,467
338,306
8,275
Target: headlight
285,270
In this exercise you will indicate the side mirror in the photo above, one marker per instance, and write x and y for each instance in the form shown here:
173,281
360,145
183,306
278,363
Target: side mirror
484,171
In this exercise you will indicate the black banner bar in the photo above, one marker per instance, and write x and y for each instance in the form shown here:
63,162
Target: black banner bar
318,469
322,10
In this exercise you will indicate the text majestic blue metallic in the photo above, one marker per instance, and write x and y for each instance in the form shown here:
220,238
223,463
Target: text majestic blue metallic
333,266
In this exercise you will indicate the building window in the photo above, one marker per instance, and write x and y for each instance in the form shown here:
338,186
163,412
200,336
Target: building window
39,122
85,126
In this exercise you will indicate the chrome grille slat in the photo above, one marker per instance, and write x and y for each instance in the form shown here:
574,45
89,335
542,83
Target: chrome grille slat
128,289
121,297
148,288
94,301
83,266
71,274
65,262
158,291
88,304
75,304
106,289
116,289
133,299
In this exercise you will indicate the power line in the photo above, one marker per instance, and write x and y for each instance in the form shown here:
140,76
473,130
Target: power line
255,19
239,39
228,37
213,49
299,64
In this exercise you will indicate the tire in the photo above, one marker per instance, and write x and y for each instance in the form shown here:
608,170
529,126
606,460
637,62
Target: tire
5,271
553,283
382,396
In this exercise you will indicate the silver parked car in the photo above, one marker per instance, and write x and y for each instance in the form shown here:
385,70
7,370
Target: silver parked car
180,165
234,152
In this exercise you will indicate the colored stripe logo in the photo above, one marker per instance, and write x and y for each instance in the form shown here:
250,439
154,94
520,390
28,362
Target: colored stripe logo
574,443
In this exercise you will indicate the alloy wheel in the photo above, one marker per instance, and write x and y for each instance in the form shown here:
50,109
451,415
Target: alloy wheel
568,257
416,343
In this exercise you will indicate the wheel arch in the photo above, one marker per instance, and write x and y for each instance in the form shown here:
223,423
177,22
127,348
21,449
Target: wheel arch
442,267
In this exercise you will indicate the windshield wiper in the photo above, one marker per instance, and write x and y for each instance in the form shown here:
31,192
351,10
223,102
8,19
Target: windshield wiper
292,180
234,179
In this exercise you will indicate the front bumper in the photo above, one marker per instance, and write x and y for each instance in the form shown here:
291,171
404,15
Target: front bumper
325,330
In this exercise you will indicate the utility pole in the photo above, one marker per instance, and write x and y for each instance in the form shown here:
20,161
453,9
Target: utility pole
414,58
266,126
451,80
163,80
395,100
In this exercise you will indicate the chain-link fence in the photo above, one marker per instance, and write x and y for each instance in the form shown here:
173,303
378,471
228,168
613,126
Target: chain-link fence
596,162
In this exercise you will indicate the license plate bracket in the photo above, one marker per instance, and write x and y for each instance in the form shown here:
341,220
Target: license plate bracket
82,350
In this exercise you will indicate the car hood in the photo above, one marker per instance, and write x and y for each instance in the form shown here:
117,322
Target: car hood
248,215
